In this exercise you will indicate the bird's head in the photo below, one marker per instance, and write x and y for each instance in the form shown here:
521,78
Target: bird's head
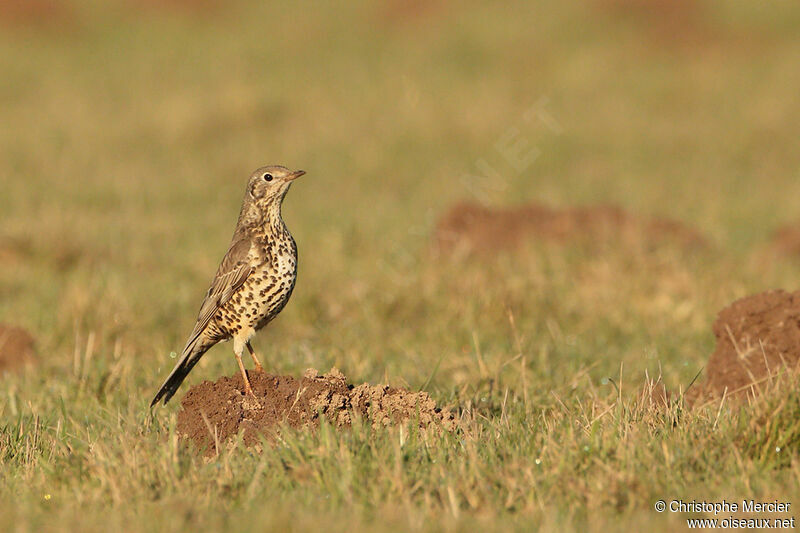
268,185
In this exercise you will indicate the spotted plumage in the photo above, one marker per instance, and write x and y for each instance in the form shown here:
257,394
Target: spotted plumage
252,284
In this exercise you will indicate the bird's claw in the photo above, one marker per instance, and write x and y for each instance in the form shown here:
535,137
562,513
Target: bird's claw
250,398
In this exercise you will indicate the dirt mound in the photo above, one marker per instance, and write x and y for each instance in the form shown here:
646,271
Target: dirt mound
16,348
186,6
34,12
786,240
214,412
758,337
476,228
670,23
13,251
409,11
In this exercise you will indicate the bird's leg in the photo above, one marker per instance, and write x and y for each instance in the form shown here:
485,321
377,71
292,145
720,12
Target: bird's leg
247,388
250,349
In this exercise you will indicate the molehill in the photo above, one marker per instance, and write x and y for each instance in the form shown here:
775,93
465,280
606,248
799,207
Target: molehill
16,348
758,338
215,412
477,229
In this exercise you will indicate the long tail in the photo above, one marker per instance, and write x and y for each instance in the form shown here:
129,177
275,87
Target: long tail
191,355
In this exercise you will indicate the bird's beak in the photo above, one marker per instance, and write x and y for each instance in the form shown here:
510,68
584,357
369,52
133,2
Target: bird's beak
296,174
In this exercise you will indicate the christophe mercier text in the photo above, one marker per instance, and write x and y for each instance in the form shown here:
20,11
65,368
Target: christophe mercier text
724,506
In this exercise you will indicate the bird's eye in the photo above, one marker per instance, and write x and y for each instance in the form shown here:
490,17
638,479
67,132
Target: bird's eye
267,177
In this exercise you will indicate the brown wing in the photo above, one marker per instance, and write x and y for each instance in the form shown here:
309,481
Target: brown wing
231,274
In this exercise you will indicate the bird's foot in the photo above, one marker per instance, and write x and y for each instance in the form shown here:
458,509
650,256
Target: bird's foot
250,401
248,390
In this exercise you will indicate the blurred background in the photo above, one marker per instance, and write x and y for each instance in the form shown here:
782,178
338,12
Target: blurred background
129,129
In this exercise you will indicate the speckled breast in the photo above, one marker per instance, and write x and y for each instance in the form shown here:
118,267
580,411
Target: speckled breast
267,289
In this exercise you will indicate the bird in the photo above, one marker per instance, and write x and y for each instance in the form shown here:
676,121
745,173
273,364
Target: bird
253,282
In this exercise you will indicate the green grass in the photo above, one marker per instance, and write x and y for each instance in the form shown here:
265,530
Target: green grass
128,135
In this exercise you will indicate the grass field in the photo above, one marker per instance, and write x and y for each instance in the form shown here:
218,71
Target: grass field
128,132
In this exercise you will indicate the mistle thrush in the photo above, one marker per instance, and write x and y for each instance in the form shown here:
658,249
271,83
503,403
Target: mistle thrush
253,282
